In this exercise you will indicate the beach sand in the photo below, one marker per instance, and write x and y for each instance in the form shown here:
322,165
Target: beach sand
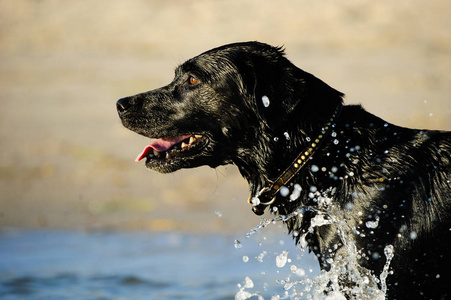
66,162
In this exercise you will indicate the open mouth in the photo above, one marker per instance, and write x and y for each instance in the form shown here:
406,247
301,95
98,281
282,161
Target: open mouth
165,149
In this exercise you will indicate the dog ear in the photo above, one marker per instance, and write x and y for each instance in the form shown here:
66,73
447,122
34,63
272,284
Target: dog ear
273,92
284,92
281,92
267,84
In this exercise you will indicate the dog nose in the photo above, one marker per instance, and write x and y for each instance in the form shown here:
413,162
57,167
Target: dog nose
123,105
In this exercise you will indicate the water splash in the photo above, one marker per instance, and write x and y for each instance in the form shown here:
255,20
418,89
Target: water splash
328,285
389,253
243,295
265,222
366,286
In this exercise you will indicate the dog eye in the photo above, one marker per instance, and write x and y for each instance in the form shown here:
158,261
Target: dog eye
193,80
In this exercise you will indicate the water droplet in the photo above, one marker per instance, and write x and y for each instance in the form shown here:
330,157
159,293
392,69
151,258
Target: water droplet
376,256
248,283
315,168
255,201
334,134
284,191
287,136
372,224
245,258
276,139
336,142
300,272
218,213
281,259
413,235
296,192
265,101
261,256
238,244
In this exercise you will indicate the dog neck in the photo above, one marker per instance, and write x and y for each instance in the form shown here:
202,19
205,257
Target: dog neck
267,195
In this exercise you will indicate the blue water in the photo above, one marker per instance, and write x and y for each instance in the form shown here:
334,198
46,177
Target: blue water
140,265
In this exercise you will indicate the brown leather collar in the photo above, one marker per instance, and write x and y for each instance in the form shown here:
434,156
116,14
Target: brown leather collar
267,195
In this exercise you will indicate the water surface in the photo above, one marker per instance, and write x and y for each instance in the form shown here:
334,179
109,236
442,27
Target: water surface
143,265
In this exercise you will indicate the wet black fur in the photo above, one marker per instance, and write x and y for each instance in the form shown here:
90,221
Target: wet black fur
372,169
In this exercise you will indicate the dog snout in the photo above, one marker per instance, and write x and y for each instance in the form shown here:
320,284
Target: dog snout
123,105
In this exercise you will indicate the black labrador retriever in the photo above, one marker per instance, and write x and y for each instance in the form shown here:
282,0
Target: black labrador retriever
299,147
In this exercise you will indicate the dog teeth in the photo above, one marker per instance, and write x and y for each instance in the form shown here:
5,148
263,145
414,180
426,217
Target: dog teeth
170,153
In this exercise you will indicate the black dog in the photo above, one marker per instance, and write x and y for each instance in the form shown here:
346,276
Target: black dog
299,147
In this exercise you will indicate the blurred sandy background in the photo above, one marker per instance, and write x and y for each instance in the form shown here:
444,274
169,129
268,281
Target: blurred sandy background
66,161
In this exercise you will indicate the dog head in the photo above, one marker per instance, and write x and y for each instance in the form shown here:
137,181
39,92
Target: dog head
224,106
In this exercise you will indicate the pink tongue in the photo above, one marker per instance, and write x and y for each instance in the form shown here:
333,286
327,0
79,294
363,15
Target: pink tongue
161,145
